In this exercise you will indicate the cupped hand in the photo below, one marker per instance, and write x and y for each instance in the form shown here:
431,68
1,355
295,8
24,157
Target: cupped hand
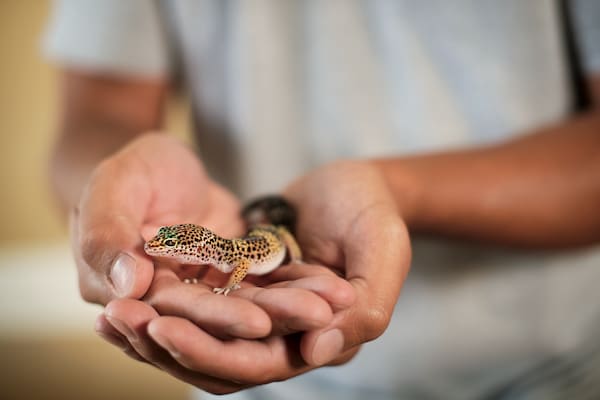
157,181
153,181
348,222
224,344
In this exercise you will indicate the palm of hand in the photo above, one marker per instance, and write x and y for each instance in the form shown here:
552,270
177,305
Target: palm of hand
153,181
177,189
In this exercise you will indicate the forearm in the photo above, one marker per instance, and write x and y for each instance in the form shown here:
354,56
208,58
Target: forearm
541,190
99,116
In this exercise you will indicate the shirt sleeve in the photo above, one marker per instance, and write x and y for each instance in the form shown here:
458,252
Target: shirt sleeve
115,36
587,27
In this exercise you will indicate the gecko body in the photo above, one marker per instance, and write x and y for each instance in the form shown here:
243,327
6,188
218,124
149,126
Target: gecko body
261,251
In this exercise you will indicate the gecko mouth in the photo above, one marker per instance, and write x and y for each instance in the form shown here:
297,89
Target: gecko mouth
151,247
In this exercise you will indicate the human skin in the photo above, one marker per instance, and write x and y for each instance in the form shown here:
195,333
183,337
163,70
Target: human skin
345,229
538,191
134,192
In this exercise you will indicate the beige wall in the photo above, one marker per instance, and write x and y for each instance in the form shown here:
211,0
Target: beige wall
47,345
27,117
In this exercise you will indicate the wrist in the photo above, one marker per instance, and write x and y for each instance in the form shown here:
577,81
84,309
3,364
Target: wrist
404,187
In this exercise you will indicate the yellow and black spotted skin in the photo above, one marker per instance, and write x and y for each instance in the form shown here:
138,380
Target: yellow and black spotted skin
262,250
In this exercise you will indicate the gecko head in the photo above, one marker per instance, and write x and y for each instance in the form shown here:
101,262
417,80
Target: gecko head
181,242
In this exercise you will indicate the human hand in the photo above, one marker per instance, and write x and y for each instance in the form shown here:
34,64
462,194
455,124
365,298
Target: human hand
153,181
348,221
223,344
129,196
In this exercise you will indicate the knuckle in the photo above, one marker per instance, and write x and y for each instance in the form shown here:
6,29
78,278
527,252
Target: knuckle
395,230
93,243
89,293
253,378
158,299
86,294
270,374
163,292
256,376
187,362
374,321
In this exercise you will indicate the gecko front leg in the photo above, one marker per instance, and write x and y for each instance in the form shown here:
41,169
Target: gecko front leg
239,273
291,244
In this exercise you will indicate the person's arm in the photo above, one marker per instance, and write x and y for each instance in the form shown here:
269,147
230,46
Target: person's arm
99,114
541,190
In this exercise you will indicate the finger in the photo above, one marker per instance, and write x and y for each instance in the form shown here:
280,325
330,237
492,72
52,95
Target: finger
109,333
290,309
377,254
294,271
320,280
203,381
131,318
378,258
239,360
220,315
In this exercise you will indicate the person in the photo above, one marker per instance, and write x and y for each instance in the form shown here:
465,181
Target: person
472,125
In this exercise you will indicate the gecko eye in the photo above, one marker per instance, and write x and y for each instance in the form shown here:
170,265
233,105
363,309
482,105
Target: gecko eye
170,242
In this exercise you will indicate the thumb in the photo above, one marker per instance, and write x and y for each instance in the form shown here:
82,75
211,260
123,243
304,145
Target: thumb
377,259
106,239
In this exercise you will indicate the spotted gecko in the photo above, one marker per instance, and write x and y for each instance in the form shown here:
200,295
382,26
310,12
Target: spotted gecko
261,251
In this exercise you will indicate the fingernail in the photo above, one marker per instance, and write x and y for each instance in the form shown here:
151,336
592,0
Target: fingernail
123,328
122,274
328,346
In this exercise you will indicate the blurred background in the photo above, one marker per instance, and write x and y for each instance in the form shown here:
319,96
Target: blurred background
47,344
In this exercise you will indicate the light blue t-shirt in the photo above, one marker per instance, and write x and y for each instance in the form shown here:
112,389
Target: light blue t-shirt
282,86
